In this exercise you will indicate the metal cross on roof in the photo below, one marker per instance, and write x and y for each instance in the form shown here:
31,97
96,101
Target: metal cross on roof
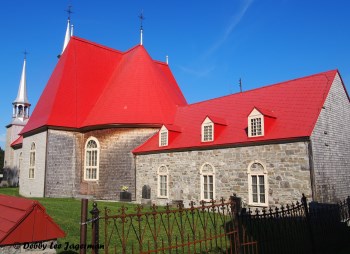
25,52
69,11
141,19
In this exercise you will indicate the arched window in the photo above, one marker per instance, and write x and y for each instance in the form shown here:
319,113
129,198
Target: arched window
92,159
32,161
163,180
257,184
207,174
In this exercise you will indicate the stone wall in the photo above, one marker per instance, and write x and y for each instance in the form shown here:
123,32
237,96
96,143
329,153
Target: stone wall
33,187
331,147
117,166
11,135
65,164
8,158
287,166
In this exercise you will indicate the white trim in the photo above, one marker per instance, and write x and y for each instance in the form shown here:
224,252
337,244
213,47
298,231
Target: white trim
255,115
256,174
97,166
163,133
207,175
207,125
160,174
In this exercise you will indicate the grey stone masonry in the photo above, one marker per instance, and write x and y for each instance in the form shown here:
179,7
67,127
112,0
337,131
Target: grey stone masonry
331,146
287,165
65,163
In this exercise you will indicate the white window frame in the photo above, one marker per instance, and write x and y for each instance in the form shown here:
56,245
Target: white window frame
254,116
163,173
205,176
97,159
257,173
32,160
207,123
163,136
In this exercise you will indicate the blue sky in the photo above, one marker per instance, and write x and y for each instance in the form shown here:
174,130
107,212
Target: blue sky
210,44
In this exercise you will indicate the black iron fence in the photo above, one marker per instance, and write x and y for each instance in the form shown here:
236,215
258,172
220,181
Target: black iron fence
220,227
207,228
299,228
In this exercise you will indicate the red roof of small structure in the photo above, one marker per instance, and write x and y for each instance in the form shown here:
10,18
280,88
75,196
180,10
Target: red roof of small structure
293,105
18,141
95,85
23,220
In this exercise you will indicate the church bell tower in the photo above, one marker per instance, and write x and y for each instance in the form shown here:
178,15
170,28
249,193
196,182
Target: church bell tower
20,117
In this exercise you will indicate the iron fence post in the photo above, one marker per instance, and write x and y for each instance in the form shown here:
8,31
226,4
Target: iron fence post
83,226
95,228
348,202
235,209
308,220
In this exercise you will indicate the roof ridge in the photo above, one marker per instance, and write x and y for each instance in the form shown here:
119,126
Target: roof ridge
96,44
262,87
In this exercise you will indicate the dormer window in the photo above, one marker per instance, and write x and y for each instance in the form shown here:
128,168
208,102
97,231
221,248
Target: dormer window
207,130
163,136
255,124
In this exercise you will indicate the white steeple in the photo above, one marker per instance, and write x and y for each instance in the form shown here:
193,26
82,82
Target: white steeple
67,36
69,30
21,104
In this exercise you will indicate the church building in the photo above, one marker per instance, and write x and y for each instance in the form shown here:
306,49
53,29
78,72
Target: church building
108,119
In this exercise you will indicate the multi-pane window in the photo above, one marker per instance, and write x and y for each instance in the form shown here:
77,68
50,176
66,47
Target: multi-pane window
163,182
164,138
258,188
208,187
255,127
257,184
208,132
32,161
207,182
91,160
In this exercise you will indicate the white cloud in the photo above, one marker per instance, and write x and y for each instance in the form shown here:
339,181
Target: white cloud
198,73
236,18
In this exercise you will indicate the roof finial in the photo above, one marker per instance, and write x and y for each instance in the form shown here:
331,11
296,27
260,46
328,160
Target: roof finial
167,59
25,52
69,11
240,84
141,27
69,30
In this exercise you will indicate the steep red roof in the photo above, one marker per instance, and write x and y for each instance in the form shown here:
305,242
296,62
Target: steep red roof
96,85
294,105
23,220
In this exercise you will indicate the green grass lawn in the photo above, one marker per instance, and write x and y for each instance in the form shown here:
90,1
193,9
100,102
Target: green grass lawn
66,213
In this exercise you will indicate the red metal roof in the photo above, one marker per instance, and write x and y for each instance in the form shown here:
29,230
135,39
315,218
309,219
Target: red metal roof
23,220
95,85
18,141
295,106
